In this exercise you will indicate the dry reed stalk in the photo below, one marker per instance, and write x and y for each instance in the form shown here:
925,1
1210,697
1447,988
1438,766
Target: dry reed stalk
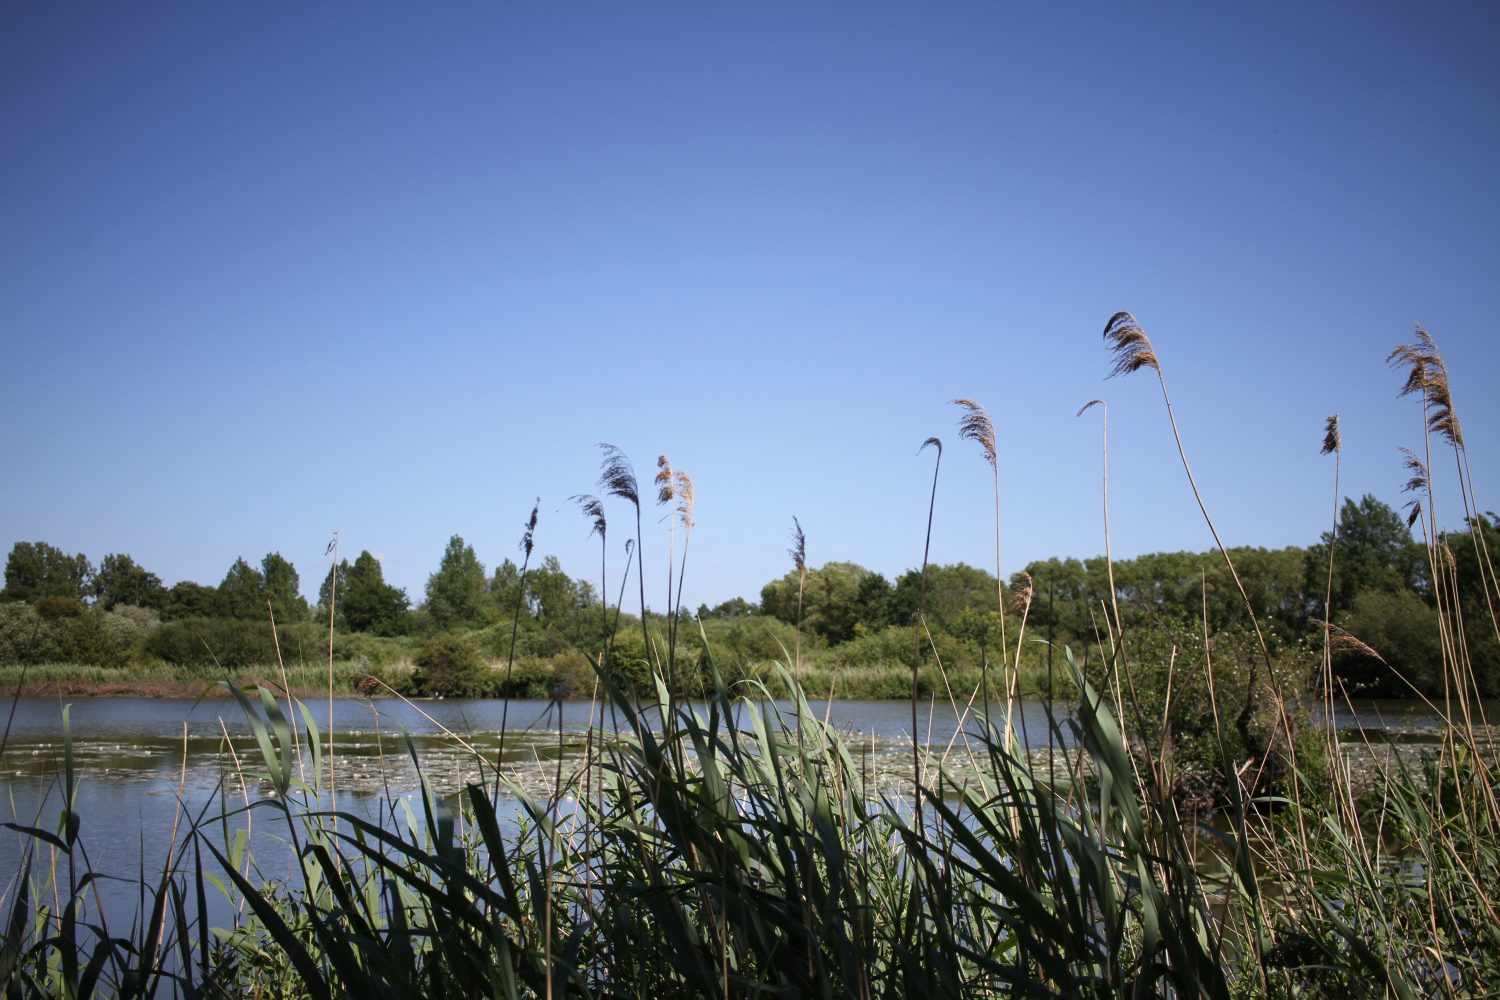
528,535
975,425
1332,445
798,552
921,624
1118,662
286,689
333,596
1132,352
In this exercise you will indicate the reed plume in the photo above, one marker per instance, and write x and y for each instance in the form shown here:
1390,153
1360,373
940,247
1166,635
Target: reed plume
617,479
1418,483
666,492
1331,440
975,425
798,552
1427,377
1131,347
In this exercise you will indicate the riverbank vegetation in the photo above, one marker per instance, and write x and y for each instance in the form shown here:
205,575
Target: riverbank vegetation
127,632
1191,834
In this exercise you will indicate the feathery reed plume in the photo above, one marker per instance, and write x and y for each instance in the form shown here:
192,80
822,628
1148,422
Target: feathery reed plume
665,481
592,508
1417,483
1427,376
1331,440
617,479
1132,349
617,476
686,500
666,492
975,425
1021,594
798,551
527,534
1346,642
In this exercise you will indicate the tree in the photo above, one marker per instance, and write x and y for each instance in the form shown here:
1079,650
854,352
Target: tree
369,603
240,594
829,600
950,591
735,607
1374,551
187,599
282,589
456,592
121,581
336,579
36,569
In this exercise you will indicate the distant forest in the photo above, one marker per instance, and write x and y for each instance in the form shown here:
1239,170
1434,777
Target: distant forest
61,609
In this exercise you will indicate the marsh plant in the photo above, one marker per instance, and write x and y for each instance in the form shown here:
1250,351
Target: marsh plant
725,848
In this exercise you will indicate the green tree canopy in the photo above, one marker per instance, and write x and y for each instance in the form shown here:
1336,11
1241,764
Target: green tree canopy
334,588
369,603
187,599
282,588
36,569
241,594
121,581
456,592
830,602
1374,551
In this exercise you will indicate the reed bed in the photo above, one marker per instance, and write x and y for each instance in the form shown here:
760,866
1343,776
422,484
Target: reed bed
728,850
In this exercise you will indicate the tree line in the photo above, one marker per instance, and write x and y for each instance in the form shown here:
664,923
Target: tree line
58,607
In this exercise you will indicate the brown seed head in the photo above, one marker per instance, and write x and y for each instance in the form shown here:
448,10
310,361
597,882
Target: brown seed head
1342,642
931,443
617,477
685,499
665,484
593,509
530,528
1086,407
1427,375
1331,439
1131,348
1021,592
798,551
975,425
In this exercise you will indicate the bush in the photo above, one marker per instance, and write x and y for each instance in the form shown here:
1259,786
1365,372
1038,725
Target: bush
450,665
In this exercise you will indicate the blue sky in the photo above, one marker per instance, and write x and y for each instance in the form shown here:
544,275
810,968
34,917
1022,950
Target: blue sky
273,270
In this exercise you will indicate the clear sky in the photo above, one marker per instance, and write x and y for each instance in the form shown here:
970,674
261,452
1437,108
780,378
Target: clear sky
273,270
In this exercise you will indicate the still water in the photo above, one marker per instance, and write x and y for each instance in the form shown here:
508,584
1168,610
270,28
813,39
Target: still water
148,767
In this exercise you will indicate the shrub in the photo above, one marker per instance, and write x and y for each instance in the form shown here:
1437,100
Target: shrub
450,665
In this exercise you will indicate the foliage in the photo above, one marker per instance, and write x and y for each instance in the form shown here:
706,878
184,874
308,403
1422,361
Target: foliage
368,603
456,592
36,569
450,665
121,581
